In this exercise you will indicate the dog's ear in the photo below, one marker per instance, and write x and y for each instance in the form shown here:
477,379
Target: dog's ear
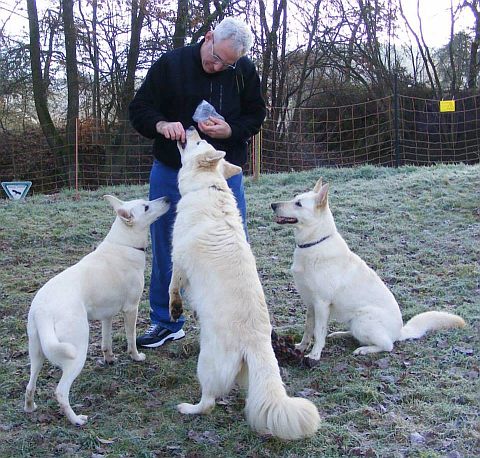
115,202
321,199
210,158
229,169
126,216
318,185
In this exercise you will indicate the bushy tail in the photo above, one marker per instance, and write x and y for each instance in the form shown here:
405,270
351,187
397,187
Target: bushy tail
422,323
53,349
268,408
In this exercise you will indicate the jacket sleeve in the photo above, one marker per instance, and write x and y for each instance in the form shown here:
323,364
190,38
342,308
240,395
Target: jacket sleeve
144,110
253,110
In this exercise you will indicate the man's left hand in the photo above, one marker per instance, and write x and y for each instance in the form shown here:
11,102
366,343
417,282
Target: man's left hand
215,128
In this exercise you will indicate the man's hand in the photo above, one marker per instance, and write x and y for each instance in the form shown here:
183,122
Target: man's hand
215,128
171,130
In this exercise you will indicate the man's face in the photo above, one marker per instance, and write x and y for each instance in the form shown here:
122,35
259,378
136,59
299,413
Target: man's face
217,55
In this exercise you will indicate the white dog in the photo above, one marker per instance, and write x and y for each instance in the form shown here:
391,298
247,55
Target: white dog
335,283
213,262
105,282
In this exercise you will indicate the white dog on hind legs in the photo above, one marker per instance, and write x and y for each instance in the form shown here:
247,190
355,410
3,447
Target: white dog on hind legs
214,265
335,283
104,283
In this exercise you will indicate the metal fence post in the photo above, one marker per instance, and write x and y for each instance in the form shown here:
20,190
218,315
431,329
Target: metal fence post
395,120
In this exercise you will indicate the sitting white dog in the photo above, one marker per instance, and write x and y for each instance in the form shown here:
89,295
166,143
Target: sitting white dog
213,263
336,283
104,283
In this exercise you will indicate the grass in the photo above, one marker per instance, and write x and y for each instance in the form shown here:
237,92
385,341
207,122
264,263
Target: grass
418,227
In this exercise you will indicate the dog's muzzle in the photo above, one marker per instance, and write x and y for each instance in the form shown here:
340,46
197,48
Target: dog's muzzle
282,219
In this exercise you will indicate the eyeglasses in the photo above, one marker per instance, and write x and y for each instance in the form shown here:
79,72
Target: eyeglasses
219,60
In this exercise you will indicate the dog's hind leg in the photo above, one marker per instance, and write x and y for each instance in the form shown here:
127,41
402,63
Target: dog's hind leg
340,334
374,338
36,362
70,371
130,319
308,331
216,372
107,340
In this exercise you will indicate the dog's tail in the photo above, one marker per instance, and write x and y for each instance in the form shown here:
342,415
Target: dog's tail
268,408
422,323
54,350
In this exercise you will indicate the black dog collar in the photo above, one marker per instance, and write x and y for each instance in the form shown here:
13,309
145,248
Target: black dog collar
308,245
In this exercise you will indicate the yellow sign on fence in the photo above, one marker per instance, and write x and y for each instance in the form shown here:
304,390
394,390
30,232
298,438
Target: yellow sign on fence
447,106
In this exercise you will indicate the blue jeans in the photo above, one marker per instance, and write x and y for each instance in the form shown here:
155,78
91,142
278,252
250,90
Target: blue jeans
163,182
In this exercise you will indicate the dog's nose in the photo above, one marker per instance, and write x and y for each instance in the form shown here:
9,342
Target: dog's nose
274,206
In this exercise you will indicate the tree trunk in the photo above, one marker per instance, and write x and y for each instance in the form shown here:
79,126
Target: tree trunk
474,64
72,79
54,139
181,23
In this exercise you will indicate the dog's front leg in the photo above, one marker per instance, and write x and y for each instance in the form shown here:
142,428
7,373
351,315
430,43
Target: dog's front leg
322,312
107,340
308,331
130,319
176,284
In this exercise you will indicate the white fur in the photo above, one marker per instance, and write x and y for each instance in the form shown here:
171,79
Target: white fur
336,283
213,262
105,282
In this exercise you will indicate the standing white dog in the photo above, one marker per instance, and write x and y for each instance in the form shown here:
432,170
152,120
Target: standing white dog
335,283
213,262
105,282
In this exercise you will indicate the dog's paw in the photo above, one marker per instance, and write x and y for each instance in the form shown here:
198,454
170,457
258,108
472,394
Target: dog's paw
30,407
301,347
176,308
314,355
138,356
109,358
368,349
310,362
80,420
186,408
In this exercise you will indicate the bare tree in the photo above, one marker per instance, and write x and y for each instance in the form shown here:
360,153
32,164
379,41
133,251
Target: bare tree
55,141
474,61
430,67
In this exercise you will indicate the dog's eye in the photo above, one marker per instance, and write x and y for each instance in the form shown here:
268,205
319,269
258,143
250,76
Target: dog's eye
198,143
146,208
298,203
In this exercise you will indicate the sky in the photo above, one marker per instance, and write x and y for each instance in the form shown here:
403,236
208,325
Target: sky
435,18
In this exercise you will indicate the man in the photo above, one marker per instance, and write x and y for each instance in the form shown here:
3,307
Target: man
215,70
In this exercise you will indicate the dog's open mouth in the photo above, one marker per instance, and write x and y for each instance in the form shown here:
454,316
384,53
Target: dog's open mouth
286,220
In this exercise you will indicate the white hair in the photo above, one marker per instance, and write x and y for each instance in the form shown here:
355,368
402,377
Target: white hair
236,30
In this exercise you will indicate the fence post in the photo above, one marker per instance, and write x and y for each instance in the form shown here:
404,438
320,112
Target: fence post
76,157
395,120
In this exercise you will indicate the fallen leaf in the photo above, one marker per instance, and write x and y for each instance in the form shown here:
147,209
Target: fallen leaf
105,441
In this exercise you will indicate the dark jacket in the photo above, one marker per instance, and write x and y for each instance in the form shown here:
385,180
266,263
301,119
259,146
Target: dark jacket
175,85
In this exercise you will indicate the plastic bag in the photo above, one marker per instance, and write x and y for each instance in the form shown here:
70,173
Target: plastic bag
204,111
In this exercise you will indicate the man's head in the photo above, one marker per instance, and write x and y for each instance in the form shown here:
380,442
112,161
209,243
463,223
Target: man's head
223,46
